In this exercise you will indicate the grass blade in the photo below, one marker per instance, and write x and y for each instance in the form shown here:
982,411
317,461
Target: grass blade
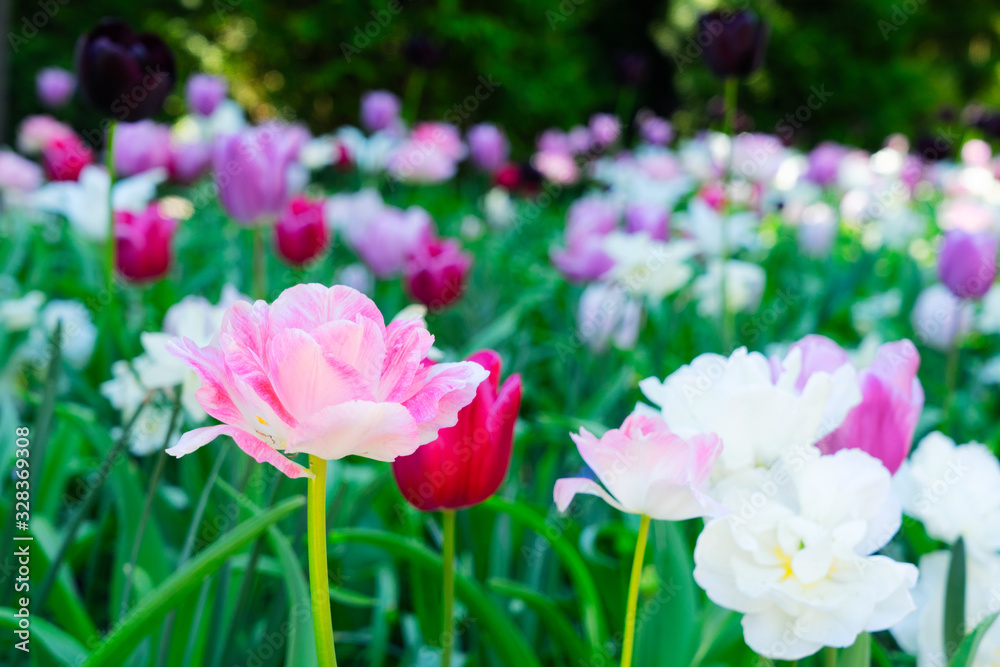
965,656
954,600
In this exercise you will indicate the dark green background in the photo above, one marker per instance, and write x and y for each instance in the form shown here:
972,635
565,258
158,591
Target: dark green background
891,65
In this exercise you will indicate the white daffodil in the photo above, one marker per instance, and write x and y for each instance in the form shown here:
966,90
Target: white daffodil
84,202
954,491
798,565
648,267
921,633
759,411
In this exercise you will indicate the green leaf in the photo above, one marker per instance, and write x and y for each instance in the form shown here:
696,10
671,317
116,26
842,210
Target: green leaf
496,627
63,648
148,612
954,600
965,656
558,626
301,646
594,626
858,654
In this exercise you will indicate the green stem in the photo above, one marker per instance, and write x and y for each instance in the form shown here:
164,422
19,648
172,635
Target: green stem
633,591
729,117
951,369
448,562
829,656
726,318
259,264
111,248
319,581
414,91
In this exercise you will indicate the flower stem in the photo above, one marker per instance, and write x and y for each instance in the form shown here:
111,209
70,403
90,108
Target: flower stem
319,582
448,557
633,591
829,656
259,264
951,369
727,322
111,248
729,117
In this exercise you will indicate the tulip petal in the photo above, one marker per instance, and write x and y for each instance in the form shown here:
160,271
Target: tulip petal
198,438
567,488
446,389
262,453
308,307
380,431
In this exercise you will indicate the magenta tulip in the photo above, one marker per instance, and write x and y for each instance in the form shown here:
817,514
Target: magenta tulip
64,158
436,273
301,233
144,241
468,462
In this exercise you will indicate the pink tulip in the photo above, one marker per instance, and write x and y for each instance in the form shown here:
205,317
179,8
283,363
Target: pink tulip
251,171
65,158
144,243
205,93
318,371
189,161
605,129
389,237
140,147
430,155
436,273
18,174
467,463
37,132
301,233
646,469
488,147
891,399
55,87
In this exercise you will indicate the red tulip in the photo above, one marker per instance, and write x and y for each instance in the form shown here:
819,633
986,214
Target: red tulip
144,243
65,157
436,273
469,461
301,231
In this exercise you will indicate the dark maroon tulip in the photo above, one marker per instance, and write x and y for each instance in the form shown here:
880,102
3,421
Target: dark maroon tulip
124,75
301,232
467,463
144,243
436,273
967,264
734,42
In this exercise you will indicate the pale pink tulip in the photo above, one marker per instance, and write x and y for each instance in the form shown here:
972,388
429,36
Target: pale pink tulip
318,371
646,469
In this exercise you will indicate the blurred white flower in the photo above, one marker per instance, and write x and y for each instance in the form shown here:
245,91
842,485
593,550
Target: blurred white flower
498,207
798,565
21,314
715,233
608,313
867,313
648,267
939,318
921,634
988,318
744,287
954,491
79,335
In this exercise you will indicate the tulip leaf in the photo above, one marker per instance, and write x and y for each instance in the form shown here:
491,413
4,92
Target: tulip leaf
149,611
496,626
301,646
594,627
954,600
63,648
859,654
558,626
965,656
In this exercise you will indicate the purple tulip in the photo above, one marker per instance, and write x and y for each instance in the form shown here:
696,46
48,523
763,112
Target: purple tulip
123,74
824,163
140,147
734,43
379,110
605,128
189,161
205,93
391,236
251,171
488,147
584,258
650,218
55,87
655,130
967,264
891,399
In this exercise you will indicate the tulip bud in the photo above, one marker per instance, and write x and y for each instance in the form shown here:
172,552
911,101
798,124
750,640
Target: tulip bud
123,74
141,146
436,273
488,147
205,93
144,243
64,158
734,43
55,87
301,233
967,264
468,462
379,110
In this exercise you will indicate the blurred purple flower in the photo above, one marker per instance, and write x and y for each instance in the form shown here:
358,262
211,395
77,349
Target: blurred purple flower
488,147
140,147
379,110
205,93
967,263
55,87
